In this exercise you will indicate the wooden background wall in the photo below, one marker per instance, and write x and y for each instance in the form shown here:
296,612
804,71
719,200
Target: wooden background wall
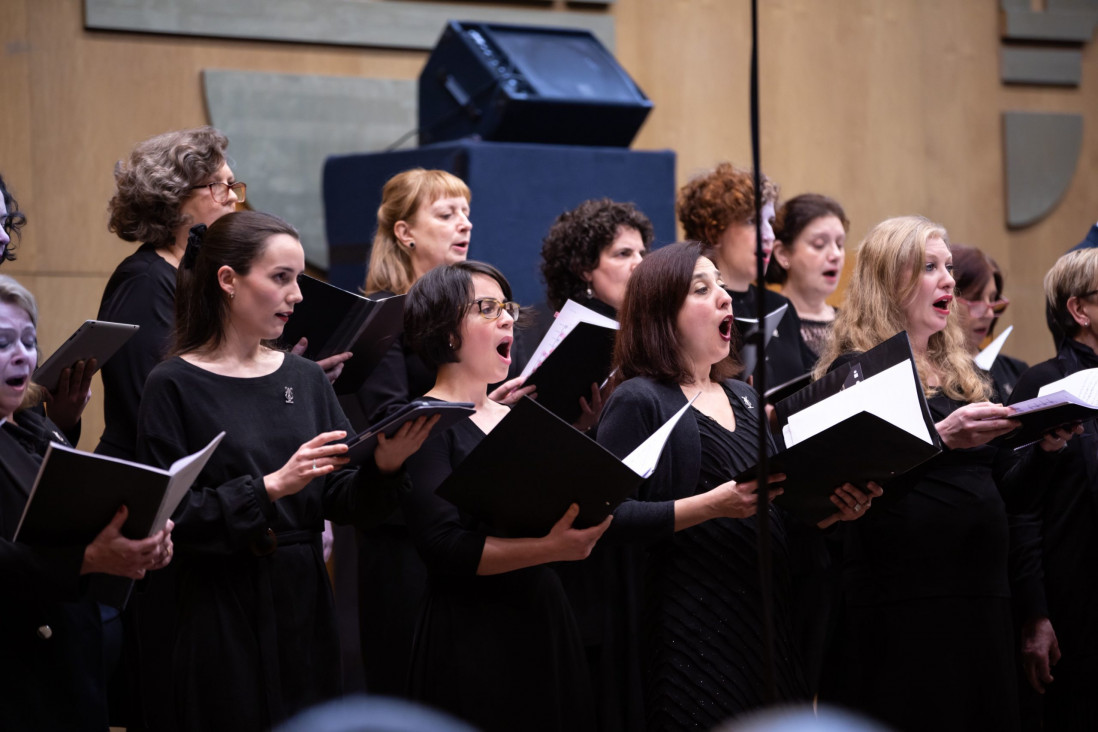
892,106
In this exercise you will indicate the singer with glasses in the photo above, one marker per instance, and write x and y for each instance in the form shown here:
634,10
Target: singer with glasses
980,303
496,644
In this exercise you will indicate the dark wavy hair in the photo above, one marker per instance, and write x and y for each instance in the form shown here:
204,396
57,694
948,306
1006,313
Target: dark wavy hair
792,218
437,304
14,222
648,342
235,240
158,177
576,240
713,201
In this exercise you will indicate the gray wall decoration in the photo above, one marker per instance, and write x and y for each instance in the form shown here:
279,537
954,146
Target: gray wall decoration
1041,150
1043,66
383,23
281,128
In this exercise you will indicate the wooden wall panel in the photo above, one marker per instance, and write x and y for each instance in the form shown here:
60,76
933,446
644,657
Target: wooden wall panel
891,106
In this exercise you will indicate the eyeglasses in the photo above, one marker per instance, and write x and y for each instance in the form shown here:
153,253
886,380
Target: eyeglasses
490,308
220,190
1087,294
980,308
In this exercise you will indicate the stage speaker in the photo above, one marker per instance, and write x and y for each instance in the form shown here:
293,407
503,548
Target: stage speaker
510,83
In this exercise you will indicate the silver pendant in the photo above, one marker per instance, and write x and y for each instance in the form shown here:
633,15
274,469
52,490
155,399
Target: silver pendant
747,402
289,395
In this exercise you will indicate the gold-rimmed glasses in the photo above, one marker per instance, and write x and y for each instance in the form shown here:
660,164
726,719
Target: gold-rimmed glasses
490,308
220,190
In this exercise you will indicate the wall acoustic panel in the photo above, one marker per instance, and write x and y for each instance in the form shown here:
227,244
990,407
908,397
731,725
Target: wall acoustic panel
282,127
1044,66
383,23
1041,150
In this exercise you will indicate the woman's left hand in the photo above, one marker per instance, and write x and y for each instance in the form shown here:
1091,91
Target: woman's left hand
1057,439
976,424
510,392
590,411
852,502
392,451
333,365
65,405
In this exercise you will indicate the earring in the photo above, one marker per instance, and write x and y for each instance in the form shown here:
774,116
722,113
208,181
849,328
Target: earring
451,345
411,245
232,295
589,293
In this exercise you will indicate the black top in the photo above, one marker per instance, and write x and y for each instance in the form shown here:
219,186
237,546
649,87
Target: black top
787,356
1005,372
501,651
700,605
255,614
141,291
815,333
52,674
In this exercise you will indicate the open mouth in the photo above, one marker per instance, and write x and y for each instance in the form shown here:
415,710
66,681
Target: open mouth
725,328
504,349
942,304
831,274
464,245
284,317
16,382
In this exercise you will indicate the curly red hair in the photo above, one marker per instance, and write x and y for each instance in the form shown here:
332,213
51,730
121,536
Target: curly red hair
713,201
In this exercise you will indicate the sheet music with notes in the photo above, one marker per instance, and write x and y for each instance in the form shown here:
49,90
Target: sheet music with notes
571,315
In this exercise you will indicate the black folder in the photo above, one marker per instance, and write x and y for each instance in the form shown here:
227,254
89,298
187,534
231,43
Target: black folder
525,474
1036,424
77,493
96,339
363,444
581,359
858,449
336,321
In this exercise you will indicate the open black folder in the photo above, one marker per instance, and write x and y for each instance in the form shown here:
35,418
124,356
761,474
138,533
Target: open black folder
1057,404
77,493
363,444
574,354
336,321
865,420
525,474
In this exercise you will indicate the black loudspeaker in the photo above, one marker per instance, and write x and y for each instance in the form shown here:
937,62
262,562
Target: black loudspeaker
511,83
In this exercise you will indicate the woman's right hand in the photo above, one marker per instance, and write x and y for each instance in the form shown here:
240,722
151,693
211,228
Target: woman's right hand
571,544
740,500
112,553
313,459
976,424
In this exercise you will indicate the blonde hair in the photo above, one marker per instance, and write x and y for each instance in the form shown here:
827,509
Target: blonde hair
886,277
1073,275
404,194
13,293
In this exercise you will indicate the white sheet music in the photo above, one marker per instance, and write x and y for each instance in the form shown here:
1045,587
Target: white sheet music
986,357
1079,388
892,395
646,456
571,315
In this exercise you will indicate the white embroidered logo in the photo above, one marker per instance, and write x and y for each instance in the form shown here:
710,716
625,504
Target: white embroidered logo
289,395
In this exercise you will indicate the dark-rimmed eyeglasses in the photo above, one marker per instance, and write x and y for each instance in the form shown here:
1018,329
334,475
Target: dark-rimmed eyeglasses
490,308
980,308
220,190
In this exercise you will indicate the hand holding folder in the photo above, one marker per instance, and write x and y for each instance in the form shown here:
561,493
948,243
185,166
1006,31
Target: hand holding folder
522,477
864,421
1060,403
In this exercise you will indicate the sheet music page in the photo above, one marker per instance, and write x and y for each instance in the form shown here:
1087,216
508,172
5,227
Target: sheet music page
646,456
892,395
986,357
571,315
184,471
1081,384
770,323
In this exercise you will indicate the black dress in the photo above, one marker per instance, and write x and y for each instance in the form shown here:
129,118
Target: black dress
52,674
928,635
141,291
1055,541
256,639
500,651
700,607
